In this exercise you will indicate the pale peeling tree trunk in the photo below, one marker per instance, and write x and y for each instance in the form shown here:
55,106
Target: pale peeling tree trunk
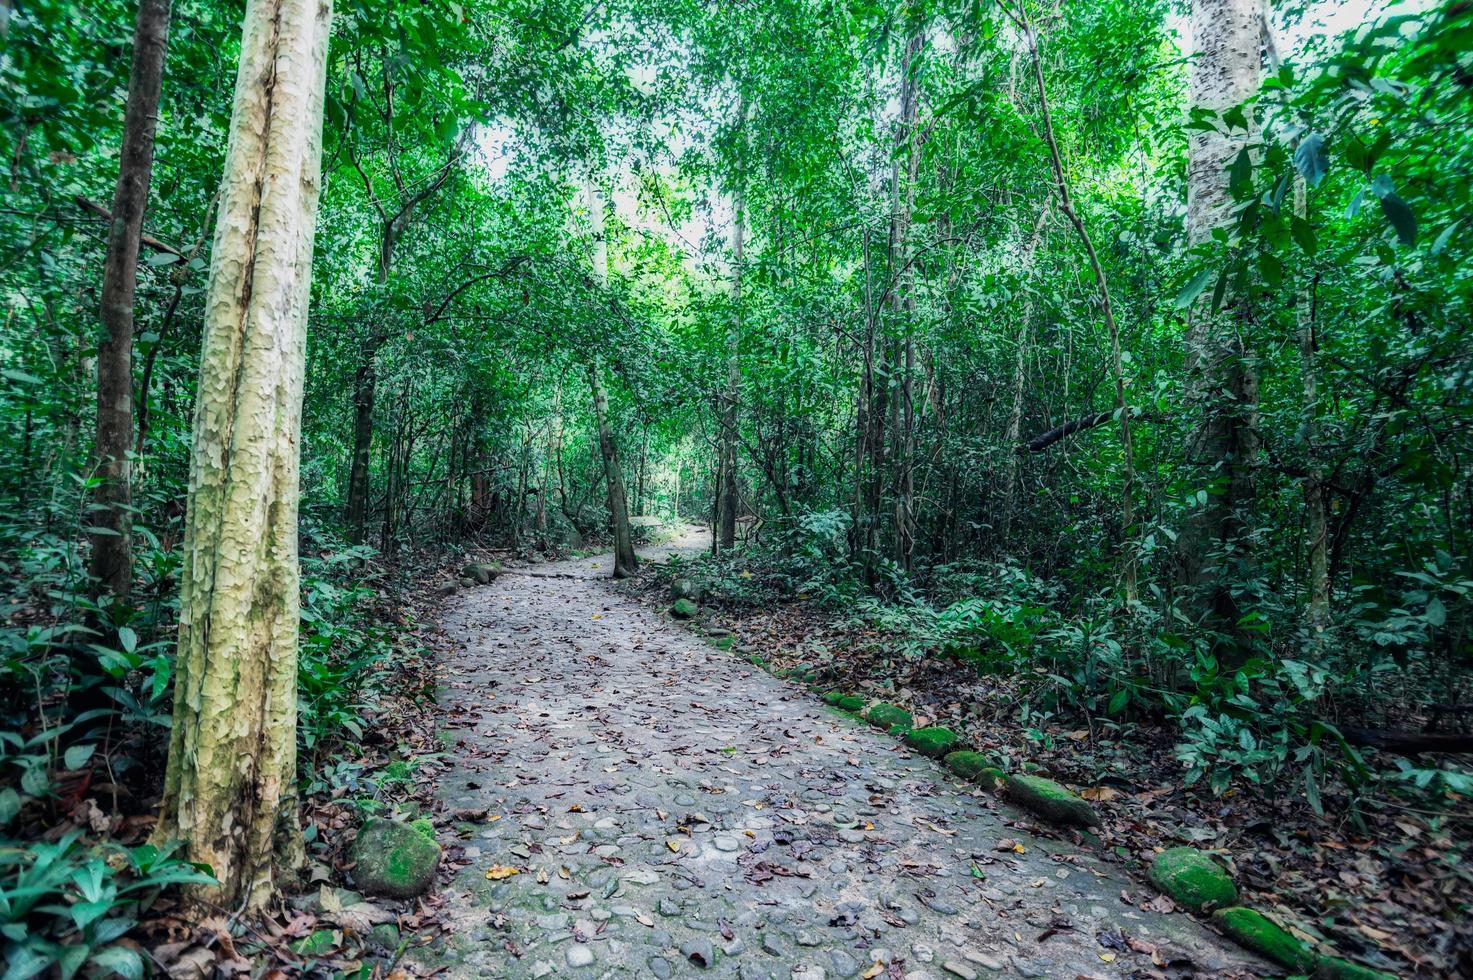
230,787
112,559
1222,381
625,561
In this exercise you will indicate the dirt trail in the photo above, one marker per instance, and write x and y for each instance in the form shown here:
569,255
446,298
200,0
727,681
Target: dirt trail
674,811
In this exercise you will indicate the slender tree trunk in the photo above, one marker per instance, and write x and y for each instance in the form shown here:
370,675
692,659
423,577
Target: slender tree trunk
727,512
1129,551
112,558
1221,382
1014,434
625,561
1316,531
365,386
230,786
902,304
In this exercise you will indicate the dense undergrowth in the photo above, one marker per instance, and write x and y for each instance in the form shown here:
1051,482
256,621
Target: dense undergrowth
86,693
1254,753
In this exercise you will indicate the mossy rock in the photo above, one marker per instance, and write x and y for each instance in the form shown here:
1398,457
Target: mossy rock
722,642
966,763
1051,801
480,572
851,703
1334,968
424,826
319,943
386,934
935,741
1193,880
833,697
1264,936
395,859
683,609
889,717
684,588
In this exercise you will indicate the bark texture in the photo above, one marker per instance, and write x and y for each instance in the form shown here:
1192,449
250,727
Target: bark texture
230,787
727,516
625,560
112,559
1222,377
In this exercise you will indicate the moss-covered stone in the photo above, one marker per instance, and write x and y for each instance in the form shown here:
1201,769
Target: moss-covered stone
889,717
722,642
992,778
1051,801
966,763
683,609
1193,880
851,703
395,859
1334,968
1265,937
386,934
832,697
684,588
480,572
424,826
319,943
935,741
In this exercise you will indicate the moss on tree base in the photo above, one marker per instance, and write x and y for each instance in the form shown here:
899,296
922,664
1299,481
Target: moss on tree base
1051,801
1193,880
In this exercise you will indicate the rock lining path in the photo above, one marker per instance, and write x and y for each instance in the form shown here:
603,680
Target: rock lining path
674,811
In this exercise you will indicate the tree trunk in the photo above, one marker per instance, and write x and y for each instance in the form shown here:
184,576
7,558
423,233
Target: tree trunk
1014,431
230,786
625,561
112,559
1316,532
365,384
902,303
1129,552
1222,381
727,512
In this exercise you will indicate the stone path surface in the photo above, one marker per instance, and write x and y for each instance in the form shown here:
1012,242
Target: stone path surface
674,811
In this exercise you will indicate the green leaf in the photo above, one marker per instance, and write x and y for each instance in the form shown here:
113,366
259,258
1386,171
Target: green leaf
1240,175
1304,236
1193,289
1447,233
1271,268
20,376
1310,159
1312,791
76,756
1119,701
127,638
1401,218
159,259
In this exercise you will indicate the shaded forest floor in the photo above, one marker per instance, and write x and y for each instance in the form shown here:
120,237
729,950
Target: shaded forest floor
1392,891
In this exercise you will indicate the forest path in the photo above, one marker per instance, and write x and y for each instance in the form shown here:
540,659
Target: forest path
673,810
